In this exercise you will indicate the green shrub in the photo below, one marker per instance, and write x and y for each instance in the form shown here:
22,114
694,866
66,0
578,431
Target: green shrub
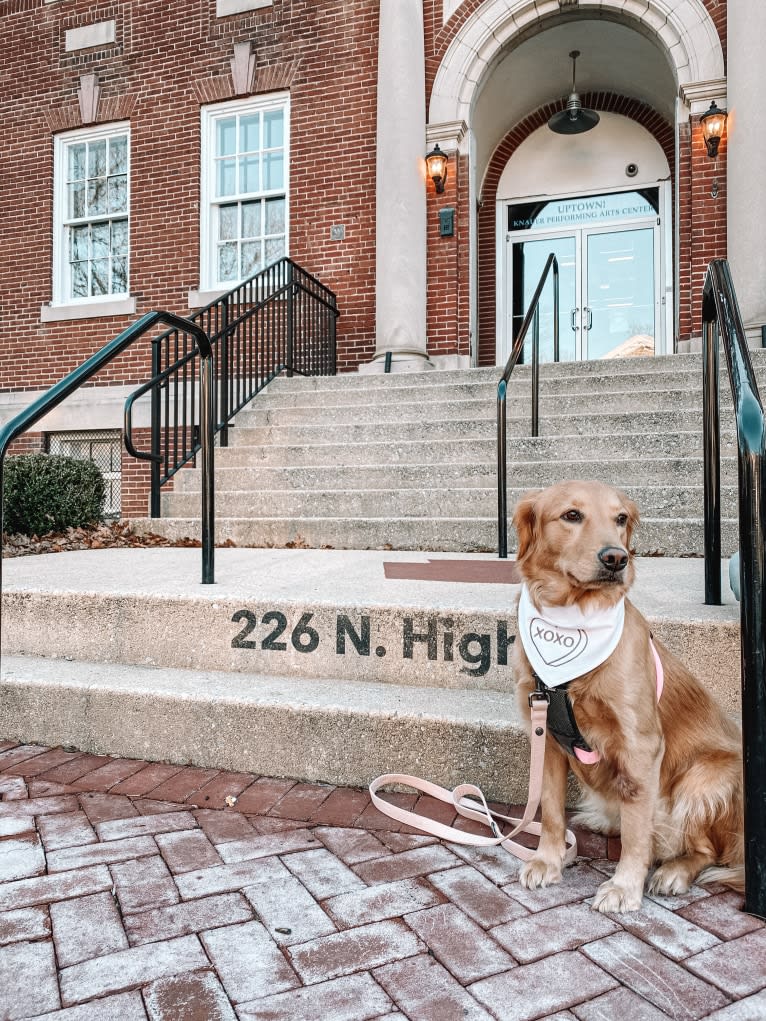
47,493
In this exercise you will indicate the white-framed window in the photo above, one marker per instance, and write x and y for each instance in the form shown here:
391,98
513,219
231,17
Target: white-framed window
244,188
91,213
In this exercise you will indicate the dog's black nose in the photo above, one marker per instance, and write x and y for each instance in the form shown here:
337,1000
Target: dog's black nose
614,558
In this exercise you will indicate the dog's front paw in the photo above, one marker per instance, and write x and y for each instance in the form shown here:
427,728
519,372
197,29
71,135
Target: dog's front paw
539,872
670,880
614,896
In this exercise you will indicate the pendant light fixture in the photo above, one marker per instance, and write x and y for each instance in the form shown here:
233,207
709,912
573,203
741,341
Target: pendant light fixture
574,120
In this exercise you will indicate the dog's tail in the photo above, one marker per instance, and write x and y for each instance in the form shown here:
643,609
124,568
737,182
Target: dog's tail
733,877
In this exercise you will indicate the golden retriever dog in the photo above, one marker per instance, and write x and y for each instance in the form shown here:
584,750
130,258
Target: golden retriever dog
669,773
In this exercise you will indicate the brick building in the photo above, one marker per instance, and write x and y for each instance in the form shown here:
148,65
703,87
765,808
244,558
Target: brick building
155,154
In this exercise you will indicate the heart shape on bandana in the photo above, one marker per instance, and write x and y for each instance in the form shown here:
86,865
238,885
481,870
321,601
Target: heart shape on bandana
557,645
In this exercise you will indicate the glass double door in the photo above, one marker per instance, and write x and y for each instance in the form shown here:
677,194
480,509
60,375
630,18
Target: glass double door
608,291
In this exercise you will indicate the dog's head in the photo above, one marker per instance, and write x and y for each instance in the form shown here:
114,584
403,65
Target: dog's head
574,544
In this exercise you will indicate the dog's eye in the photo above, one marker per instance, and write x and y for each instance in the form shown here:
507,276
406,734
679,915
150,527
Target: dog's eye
572,515
622,520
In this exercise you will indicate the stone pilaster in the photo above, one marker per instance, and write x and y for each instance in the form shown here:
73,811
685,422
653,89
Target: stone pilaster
746,141
400,192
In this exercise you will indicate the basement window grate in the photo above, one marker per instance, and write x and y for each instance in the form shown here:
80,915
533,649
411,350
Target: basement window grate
104,448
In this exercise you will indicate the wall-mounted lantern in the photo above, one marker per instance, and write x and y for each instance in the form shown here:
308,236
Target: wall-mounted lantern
713,122
436,161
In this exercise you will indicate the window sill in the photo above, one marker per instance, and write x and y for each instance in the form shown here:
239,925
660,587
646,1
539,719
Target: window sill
225,8
87,310
198,299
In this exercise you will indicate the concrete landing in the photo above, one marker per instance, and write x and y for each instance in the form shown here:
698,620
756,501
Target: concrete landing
321,664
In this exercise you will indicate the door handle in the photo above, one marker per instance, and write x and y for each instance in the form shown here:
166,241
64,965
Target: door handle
589,319
575,327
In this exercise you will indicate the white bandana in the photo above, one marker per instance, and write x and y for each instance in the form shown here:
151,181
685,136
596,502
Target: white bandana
562,642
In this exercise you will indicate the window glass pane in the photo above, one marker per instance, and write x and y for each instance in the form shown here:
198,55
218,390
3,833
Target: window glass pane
227,261
119,275
251,219
78,244
226,178
99,239
118,194
226,137
275,216
249,167
99,277
275,249
119,237
118,155
76,162
97,159
249,140
251,258
227,223
79,280
76,202
273,171
273,129
97,197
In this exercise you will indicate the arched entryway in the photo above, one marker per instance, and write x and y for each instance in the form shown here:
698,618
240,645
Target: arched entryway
602,203
503,73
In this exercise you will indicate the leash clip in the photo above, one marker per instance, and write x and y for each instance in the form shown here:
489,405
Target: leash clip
539,696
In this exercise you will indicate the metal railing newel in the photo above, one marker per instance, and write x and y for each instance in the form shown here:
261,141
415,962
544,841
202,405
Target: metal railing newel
721,319
532,318
279,320
69,384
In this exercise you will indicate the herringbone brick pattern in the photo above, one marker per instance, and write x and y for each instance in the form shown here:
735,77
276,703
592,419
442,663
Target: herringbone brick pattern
133,890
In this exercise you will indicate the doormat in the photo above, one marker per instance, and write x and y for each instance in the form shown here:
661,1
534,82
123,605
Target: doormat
486,572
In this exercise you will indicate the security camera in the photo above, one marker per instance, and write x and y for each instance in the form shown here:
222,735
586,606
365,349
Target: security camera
631,170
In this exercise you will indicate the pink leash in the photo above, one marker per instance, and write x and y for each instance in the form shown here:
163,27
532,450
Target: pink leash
468,800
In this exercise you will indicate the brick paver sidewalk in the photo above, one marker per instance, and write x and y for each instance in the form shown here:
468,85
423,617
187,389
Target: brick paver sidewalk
133,890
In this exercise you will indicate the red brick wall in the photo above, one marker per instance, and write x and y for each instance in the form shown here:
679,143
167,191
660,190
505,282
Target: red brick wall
167,61
448,264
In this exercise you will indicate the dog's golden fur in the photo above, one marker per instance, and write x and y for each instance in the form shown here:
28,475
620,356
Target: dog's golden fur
670,775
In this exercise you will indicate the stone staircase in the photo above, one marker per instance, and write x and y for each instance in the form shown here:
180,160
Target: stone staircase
408,461
390,651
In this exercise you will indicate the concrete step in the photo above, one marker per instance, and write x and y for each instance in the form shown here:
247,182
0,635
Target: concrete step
320,730
591,411
449,502
671,537
473,385
525,474
324,665
611,445
616,367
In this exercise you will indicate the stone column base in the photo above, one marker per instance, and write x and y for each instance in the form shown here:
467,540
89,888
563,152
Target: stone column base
401,361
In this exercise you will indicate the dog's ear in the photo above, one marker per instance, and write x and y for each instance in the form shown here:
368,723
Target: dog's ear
631,510
525,522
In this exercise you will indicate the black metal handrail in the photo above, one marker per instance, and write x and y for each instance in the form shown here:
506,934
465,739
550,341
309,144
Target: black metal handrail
280,320
532,318
67,386
721,318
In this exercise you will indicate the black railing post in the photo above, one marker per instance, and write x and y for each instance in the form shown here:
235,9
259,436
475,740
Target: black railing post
290,320
536,371
207,467
556,351
752,566
223,376
156,427
502,482
720,307
532,316
711,439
